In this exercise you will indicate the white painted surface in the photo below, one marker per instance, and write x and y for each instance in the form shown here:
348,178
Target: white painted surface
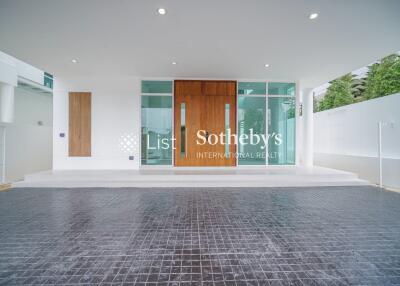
11,69
8,70
346,138
29,72
207,38
299,127
6,103
115,114
308,127
365,167
272,176
28,145
2,154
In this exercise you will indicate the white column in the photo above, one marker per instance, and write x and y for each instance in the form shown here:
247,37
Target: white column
298,124
6,103
308,128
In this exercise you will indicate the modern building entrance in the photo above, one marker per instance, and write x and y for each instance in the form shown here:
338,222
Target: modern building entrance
176,115
204,120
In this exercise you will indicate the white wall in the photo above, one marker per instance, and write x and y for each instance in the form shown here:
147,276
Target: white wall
11,69
347,138
28,144
115,121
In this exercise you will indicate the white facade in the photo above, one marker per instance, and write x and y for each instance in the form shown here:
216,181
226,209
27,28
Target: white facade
346,138
115,119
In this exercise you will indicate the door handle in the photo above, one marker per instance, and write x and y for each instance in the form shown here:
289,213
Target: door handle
207,135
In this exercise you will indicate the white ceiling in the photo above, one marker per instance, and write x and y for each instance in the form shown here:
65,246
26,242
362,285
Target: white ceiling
208,38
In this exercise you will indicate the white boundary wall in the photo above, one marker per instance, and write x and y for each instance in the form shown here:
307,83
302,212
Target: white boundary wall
346,138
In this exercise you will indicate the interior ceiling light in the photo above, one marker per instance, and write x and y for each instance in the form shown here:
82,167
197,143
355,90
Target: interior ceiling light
266,65
174,63
162,11
75,61
313,16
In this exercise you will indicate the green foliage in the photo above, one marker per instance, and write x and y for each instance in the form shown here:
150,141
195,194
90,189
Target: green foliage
358,87
339,93
315,104
383,78
291,113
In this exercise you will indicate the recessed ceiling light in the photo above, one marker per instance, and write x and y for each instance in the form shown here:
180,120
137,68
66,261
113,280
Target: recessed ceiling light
266,65
313,16
174,63
75,61
162,11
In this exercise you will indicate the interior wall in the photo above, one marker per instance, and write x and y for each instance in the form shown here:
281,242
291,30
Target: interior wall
28,147
115,123
347,138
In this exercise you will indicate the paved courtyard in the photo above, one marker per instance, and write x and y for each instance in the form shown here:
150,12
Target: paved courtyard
286,236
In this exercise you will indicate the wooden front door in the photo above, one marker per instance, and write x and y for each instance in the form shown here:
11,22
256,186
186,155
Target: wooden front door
205,108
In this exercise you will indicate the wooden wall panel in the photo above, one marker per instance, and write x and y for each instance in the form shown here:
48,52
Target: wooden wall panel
80,113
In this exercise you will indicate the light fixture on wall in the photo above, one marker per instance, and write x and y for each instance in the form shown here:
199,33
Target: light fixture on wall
313,16
74,61
162,11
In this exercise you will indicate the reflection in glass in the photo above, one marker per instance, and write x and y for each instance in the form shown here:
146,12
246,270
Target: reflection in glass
252,88
227,131
281,124
153,86
156,130
251,119
183,129
281,88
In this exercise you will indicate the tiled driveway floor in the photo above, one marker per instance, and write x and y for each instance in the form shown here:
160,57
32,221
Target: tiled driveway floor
286,236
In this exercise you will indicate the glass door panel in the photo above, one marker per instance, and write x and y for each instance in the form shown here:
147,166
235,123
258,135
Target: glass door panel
281,129
156,130
251,120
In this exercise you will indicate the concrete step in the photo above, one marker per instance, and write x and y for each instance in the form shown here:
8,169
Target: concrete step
277,176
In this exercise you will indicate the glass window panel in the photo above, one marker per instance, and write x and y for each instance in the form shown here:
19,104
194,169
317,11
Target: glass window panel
156,130
252,88
251,120
154,86
281,128
281,88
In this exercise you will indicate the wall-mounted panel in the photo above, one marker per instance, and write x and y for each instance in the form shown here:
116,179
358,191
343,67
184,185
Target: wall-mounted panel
80,124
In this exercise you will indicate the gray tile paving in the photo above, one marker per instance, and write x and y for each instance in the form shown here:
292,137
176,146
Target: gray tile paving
259,236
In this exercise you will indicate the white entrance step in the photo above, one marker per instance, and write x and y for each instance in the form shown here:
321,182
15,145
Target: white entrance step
269,176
